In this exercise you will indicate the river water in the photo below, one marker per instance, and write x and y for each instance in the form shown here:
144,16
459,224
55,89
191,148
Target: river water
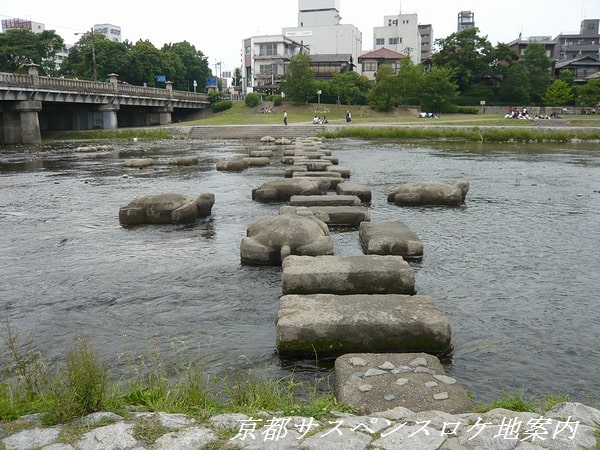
517,269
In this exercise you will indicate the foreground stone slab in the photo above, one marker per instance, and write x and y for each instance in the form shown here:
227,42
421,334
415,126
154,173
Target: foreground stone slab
184,161
166,208
331,215
429,193
282,189
328,325
375,382
324,200
332,177
390,238
352,188
270,240
138,163
365,274
234,165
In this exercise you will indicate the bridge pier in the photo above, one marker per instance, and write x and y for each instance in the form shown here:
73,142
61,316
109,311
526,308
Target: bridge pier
109,116
21,124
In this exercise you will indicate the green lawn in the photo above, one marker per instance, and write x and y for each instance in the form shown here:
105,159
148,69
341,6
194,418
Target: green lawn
240,114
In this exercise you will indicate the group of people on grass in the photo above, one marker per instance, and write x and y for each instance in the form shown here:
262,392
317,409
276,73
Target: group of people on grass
517,113
318,120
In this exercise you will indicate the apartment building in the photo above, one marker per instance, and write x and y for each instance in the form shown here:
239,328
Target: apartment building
400,33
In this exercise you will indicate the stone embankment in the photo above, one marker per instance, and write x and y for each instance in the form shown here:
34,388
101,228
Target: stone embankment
566,426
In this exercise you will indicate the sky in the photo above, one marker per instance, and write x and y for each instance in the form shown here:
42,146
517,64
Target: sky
217,29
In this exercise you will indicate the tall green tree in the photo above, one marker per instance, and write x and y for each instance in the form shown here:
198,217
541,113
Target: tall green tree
439,91
588,95
146,62
350,88
516,86
383,94
299,86
559,94
467,55
19,47
410,78
537,65
193,66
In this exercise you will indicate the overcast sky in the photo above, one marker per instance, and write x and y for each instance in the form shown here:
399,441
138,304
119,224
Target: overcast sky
217,27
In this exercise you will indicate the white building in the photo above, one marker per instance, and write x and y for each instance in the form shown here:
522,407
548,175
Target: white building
35,27
110,32
266,62
320,29
401,34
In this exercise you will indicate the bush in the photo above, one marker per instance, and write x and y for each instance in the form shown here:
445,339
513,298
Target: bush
252,100
221,106
277,100
467,110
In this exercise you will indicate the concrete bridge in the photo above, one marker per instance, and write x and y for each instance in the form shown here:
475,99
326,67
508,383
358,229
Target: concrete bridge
31,105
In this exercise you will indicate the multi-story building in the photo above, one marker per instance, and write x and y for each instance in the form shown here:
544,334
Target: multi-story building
586,43
399,33
426,32
266,62
466,20
333,47
110,32
36,27
519,45
371,61
321,31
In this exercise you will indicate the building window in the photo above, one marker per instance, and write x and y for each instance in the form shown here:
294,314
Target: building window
380,41
394,41
370,67
268,49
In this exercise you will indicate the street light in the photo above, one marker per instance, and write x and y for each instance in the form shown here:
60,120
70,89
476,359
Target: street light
94,67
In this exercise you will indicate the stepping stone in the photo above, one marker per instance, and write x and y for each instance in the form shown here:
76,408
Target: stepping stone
324,200
390,238
328,325
332,215
396,382
351,188
365,274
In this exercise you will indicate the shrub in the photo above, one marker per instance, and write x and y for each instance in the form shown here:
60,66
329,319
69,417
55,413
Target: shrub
467,110
221,106
277,100
252,100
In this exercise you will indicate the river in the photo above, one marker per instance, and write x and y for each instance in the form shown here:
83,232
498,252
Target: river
517,269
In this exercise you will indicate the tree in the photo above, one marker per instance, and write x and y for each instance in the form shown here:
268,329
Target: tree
588,95
19,47
191,66
410,78
439,91
382,96
237,77
299,85
350,88
558,94
146,61
537,65
468,56
516,86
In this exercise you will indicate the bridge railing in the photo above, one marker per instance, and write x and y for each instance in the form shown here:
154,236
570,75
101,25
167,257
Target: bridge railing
36,82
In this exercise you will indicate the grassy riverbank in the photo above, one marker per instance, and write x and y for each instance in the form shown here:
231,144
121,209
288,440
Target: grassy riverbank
29,384
400,123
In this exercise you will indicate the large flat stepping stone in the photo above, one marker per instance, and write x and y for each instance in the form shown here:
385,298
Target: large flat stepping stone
352,188
332,215
166,208
282,189
390,238
324,200
376,382
329,325
364,274
429,193
334,178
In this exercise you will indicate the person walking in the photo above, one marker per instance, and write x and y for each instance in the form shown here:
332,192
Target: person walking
348,117
285,117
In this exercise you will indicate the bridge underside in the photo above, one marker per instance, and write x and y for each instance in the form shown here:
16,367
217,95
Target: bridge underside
26,122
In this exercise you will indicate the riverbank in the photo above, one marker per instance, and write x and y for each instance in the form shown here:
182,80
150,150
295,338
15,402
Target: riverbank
566,426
